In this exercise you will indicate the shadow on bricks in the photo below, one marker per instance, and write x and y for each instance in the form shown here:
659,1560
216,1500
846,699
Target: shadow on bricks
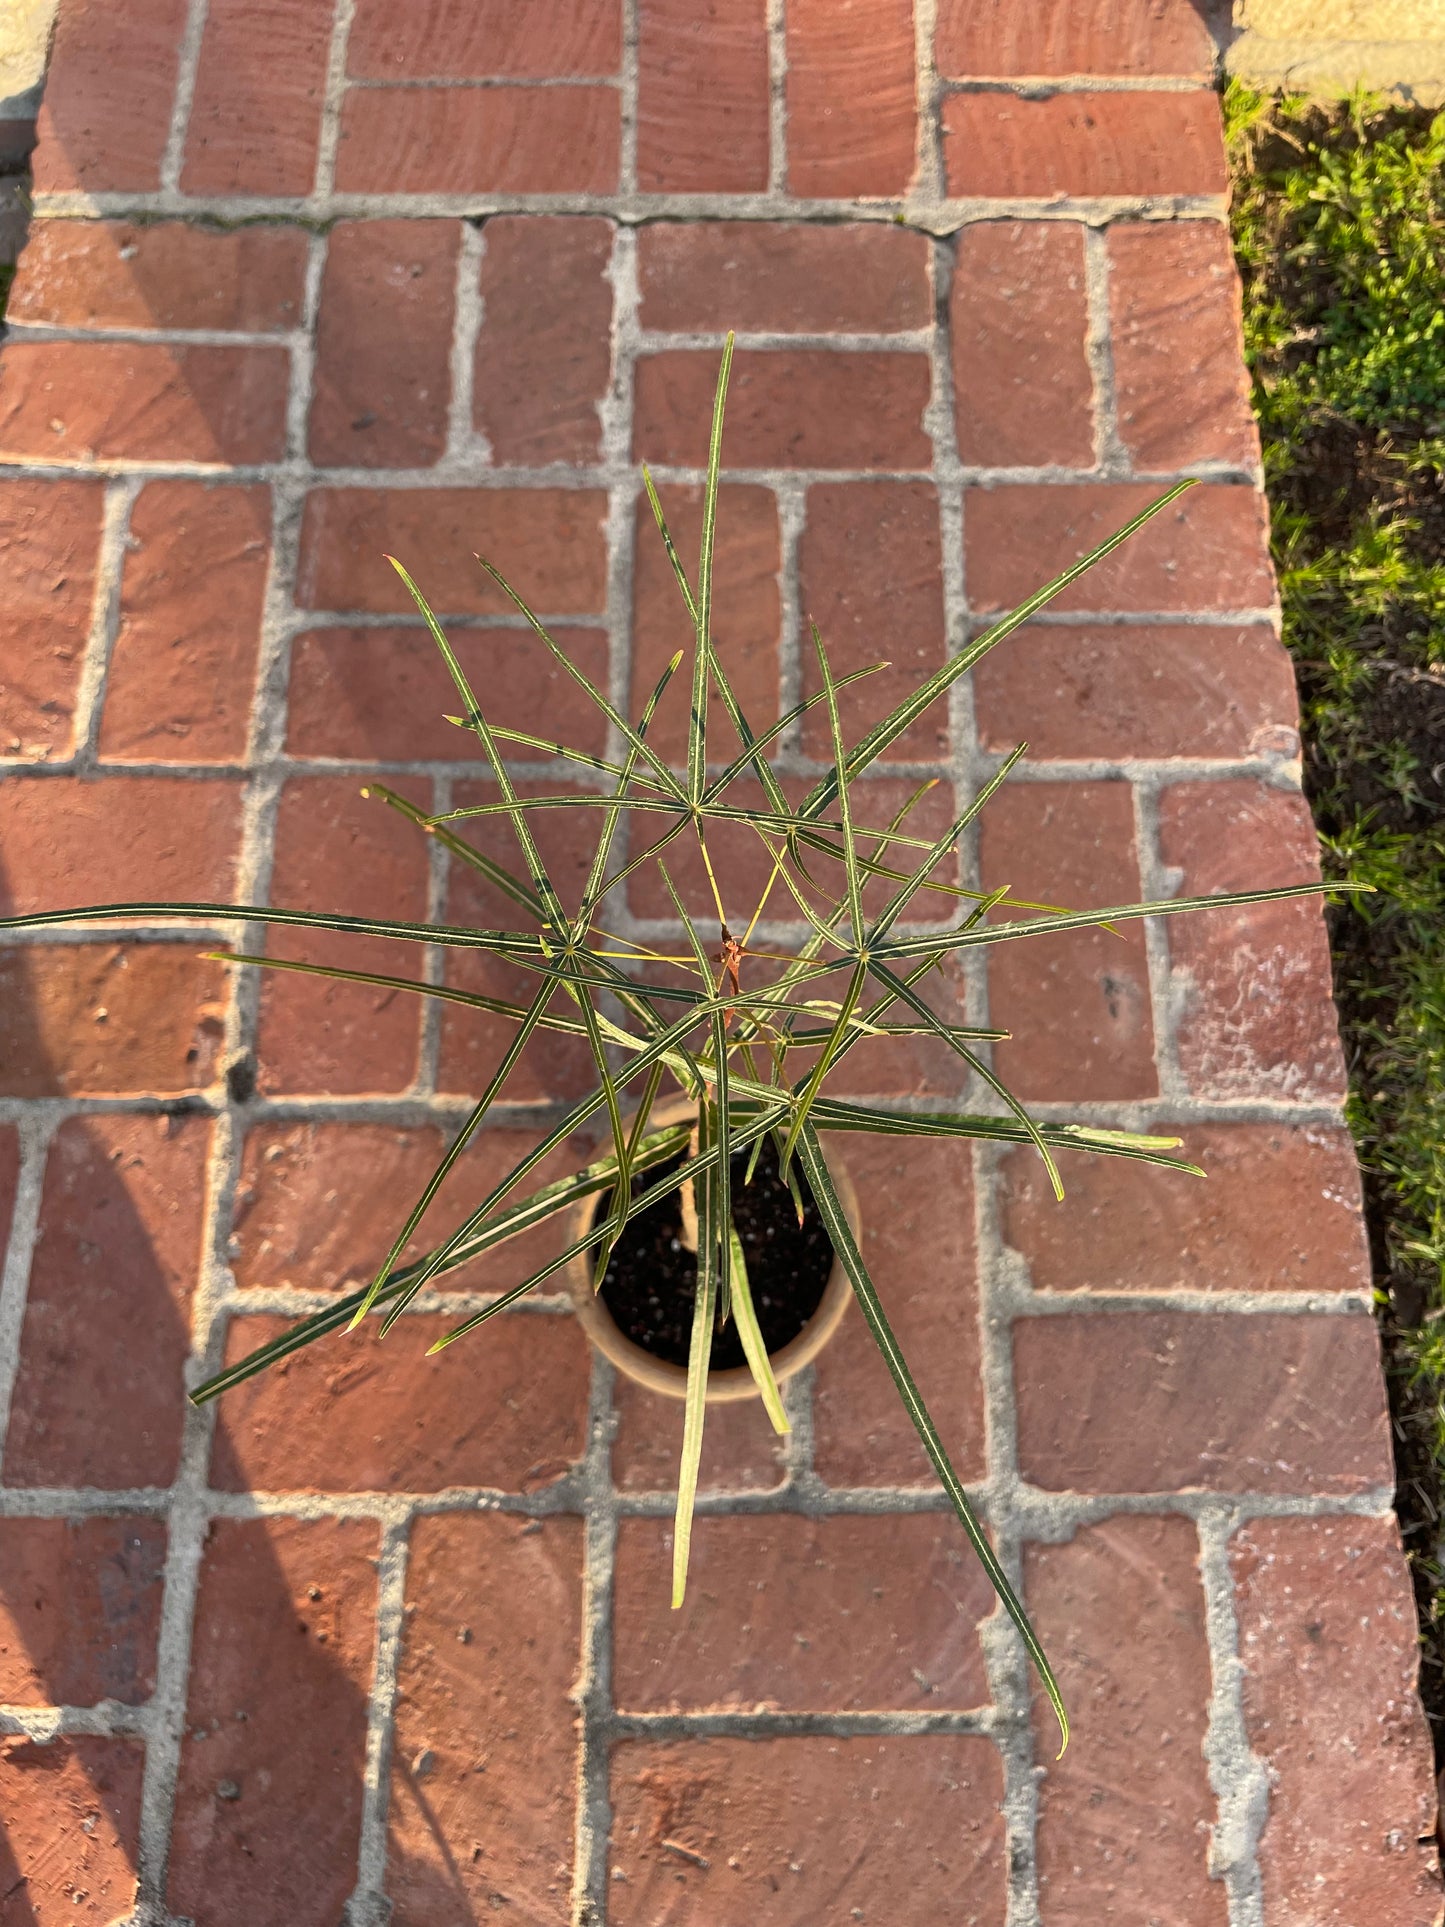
274,1730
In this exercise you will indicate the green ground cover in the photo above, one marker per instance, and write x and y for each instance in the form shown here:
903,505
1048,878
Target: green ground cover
1339,229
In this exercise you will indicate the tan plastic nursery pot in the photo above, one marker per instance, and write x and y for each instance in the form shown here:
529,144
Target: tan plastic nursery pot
659,1374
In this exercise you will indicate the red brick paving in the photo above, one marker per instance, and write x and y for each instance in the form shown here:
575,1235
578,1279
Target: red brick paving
388,1631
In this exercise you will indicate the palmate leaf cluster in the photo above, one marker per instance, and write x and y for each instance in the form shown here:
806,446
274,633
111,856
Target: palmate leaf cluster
751,1034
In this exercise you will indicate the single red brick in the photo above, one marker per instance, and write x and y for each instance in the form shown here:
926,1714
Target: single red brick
184,664
69,842
477,39
1155,689
800,408
871,576
80,1607
1002,144
740,1450
702,97
319,1205
1280,1211
479,140
1174,303
1330,1652
255,118
49,536
1208,550
99,1399
553,1065
64,401
351,1414
383,695
100,1019
548,542
543,359
1124,1816
1078,1003
1165,1401
1258,1017
124,274
747,614
975,38
802,1615
108,89
768,1831
383,344
484,1754
268,1804
915,1197
339,851
1018,321
852,115
72,1828
859,277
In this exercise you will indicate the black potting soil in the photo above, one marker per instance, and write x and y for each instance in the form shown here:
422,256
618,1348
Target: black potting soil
650,1284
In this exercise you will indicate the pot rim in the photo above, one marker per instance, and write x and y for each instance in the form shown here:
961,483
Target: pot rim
658,1374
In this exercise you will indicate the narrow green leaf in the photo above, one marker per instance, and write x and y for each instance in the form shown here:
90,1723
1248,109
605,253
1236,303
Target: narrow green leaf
697,730
698,1357
908,711
471,1000
857,983
690,1170
903,989
496,874
905,893
845,804
810,1155
531,855
961,939
543,1204
755,1351
834,1114
667,542
519,947
559,655
438,1177
770,735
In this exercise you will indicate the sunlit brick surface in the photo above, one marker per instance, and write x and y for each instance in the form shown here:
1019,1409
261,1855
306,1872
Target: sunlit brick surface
383,1637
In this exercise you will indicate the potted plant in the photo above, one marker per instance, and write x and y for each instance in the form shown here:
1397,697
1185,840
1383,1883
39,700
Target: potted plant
738,1179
